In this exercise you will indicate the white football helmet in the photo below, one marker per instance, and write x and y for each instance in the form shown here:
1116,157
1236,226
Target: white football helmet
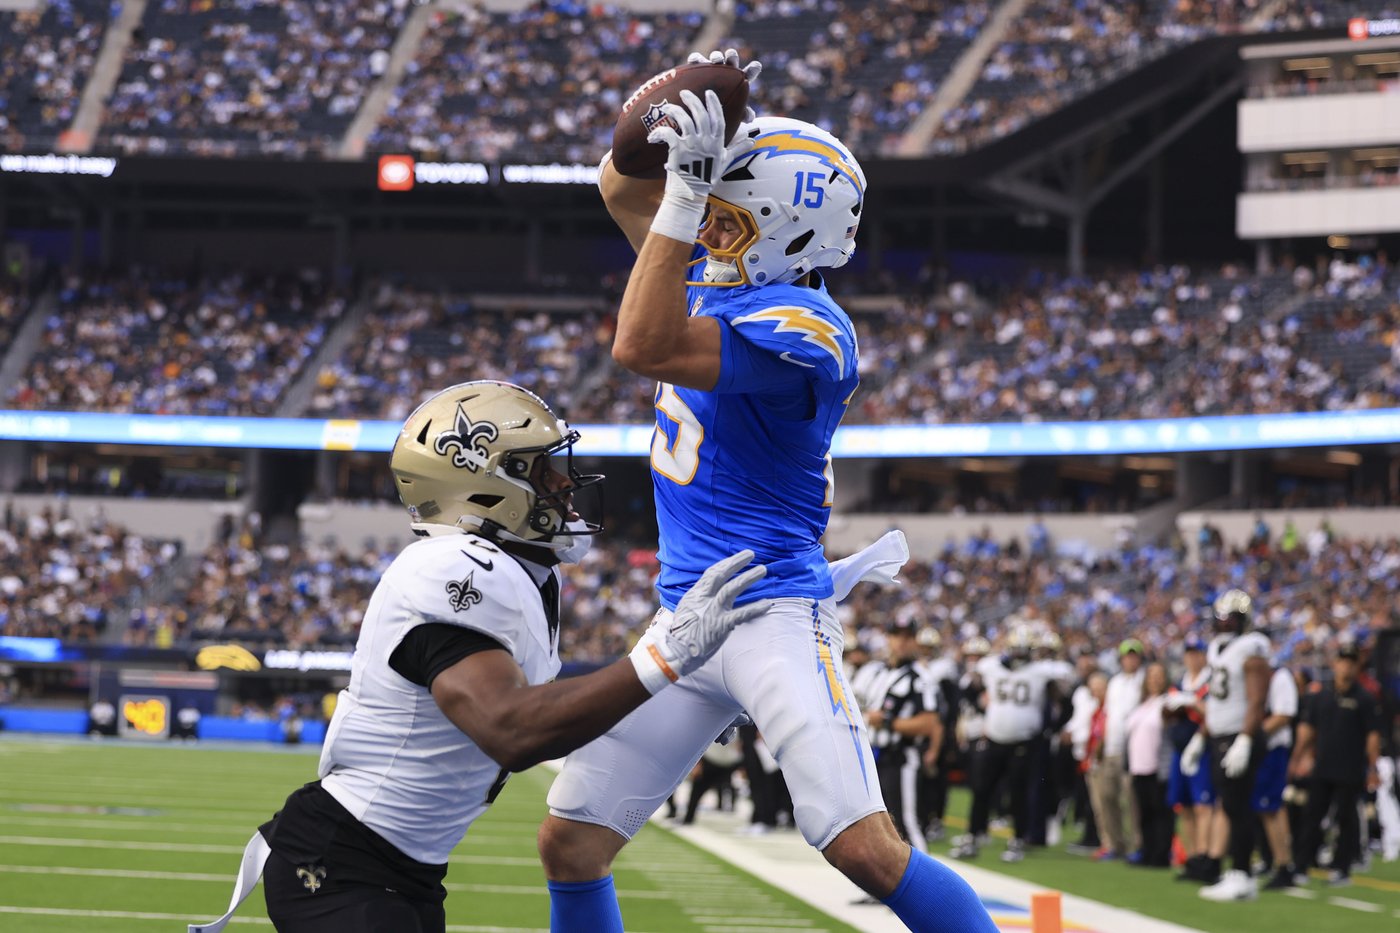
798,194
470,457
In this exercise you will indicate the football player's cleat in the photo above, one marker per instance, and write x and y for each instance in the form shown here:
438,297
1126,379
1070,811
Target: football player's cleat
476,456
1015,851
798,195
1234,885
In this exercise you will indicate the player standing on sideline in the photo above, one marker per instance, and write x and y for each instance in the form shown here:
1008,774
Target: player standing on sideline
755,364
1015,690
1281,709
1239,681
449,691
941,672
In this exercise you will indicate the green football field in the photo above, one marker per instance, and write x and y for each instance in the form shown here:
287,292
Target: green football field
119,838
116,837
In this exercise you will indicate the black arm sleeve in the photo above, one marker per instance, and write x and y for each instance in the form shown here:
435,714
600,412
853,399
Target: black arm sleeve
433,647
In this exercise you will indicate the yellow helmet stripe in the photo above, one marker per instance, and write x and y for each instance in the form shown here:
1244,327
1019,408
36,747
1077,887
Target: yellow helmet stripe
784,141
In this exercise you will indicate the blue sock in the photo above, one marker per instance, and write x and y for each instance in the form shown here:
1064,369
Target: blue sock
584,907
934,899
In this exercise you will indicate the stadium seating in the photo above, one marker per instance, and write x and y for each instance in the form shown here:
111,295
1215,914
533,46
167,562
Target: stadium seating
46,57
415,342
60,578
160,343
244,77
541,84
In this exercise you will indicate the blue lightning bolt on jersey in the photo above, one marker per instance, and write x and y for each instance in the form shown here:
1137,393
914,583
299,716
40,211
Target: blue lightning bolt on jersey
747,465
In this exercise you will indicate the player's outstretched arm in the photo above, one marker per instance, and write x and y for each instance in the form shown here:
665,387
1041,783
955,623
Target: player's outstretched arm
631,201
487,696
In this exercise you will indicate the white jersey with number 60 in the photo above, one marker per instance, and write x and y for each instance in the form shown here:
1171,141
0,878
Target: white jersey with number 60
391,757
1226,703
1016,696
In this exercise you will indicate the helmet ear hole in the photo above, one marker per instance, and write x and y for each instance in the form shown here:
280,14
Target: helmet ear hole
486,500
799,243
517,467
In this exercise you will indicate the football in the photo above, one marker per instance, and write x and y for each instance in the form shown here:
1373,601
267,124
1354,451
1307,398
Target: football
632,154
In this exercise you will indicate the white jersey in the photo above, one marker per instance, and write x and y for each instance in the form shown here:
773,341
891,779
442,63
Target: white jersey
1282,701
937,670
391,757
1016,697
1227,703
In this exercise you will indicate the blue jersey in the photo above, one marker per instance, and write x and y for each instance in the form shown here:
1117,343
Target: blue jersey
748,464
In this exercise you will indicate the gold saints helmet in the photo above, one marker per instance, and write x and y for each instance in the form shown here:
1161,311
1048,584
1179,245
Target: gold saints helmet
470,457
1234,612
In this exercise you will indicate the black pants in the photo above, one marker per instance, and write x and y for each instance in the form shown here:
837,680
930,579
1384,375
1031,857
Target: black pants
712,777
1013,761
1157,819
337,907
898,772
1084,810
1235,799
1322,796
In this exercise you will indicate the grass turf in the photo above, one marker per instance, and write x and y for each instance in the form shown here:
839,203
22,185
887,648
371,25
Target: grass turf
120,838
1155,892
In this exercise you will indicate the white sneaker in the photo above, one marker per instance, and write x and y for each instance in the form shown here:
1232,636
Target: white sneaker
1232,886
1015,851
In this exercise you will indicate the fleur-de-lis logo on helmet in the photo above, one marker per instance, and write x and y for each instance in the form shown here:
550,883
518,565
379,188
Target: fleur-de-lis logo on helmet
311,877
462,595
470,441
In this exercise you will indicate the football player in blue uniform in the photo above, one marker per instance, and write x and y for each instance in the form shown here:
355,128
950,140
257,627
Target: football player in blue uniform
755,365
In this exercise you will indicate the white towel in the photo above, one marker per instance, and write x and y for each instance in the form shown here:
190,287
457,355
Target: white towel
249,871
878,563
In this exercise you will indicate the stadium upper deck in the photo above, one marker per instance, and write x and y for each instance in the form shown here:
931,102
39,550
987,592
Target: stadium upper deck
229,78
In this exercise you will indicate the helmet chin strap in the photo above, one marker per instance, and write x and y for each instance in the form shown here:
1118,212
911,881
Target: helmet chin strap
718,273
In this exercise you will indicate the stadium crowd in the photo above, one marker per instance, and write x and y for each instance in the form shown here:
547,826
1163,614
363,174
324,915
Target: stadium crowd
236,77
161,343
46,56
70,579
543,83
414,342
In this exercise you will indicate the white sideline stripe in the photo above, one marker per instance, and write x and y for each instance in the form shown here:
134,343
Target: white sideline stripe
116,844
223,877
114,873
1303,894
116,914
259,921
1365,906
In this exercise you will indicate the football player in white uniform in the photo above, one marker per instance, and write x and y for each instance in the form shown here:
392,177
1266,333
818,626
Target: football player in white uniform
1015,695
1239,665
452,685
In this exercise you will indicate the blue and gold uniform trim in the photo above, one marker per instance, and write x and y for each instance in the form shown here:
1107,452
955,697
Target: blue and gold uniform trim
836,690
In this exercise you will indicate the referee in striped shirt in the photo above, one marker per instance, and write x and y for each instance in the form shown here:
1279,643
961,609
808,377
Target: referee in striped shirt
904,724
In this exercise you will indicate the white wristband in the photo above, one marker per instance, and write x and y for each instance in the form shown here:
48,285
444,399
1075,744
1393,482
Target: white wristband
652,669
681,212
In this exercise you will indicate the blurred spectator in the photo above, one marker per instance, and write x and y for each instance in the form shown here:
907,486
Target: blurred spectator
236,77
46,57
150,342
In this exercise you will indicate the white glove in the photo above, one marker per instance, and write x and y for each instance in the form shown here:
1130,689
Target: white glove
1236,759
730,57
1179,699
701,622
1191,755
697,156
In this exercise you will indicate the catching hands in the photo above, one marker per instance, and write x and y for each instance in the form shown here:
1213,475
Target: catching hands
1236,759
1192,754
697,156
702,620
730,57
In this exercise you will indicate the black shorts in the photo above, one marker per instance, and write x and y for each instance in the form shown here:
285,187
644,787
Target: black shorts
329,873
341,907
